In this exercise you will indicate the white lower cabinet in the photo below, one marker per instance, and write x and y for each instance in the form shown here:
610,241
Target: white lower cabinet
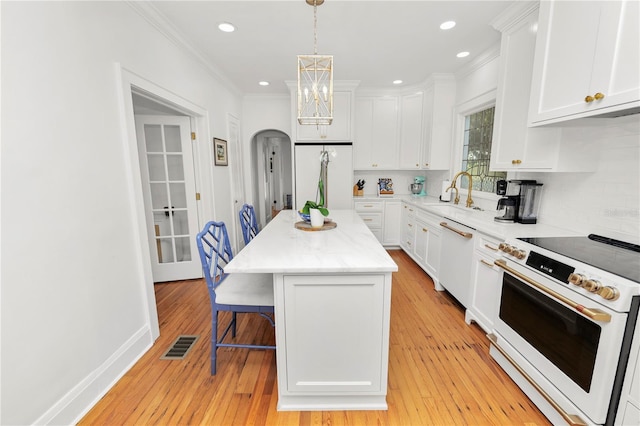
421,238
408,228
392,223
384,219
371,213
485,281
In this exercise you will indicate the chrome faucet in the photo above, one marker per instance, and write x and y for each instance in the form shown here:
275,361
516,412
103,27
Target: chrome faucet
453,187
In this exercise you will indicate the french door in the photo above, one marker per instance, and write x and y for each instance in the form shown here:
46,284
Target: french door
168,185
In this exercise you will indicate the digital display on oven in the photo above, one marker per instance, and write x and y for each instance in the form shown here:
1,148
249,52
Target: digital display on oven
550,267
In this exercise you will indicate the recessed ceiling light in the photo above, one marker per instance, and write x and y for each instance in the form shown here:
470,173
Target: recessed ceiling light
226,27
397,81
263,83
462,54
447,25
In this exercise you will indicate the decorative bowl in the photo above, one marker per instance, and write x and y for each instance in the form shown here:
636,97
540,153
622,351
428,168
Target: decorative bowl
305,217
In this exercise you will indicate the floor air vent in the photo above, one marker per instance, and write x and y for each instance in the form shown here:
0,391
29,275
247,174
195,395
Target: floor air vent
180,348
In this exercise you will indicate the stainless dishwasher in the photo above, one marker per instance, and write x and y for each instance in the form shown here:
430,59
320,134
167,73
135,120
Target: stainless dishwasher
456,260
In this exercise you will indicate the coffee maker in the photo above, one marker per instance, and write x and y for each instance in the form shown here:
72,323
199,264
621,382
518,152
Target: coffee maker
520,201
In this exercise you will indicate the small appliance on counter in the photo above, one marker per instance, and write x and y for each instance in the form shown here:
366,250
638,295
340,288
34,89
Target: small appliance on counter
520,201
418,186
444,194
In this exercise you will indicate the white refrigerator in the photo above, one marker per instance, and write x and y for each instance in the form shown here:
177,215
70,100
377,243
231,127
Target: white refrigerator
339,187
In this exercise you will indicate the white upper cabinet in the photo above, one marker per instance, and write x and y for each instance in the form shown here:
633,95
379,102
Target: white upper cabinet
587,60
376,133
340,128
515,146
439,100
411,135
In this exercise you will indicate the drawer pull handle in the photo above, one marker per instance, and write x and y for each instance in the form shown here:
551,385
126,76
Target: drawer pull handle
368,220
424,230
491,248
484,262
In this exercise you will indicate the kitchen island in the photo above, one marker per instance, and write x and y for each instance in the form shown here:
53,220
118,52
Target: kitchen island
332,305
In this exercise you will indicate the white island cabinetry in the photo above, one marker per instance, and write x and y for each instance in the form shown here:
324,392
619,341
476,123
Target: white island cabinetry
332,293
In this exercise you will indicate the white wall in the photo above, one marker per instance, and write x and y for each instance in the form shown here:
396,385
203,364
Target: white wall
73,305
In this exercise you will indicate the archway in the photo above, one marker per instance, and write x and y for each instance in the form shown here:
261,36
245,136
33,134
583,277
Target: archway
272,187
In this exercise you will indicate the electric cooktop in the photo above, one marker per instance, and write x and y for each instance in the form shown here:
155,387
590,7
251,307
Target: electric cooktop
614,256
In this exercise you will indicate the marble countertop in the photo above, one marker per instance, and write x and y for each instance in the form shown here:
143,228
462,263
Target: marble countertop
481,220
281,248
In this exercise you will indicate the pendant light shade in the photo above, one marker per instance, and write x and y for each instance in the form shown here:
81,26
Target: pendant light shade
315,83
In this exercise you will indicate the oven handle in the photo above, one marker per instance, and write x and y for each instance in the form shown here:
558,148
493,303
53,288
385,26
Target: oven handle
572,419
457,231
593,313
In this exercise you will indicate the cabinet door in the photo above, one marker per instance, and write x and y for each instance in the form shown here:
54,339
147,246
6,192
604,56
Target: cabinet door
392,223
411,135
516,146
363,134
432,260
376,135
334,328
486,281
585,48
340,128
422,242
439,102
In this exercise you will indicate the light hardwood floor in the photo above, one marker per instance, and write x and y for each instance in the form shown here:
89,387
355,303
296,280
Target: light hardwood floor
440,371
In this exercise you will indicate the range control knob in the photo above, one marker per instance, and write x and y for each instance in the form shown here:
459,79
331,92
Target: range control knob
609,293
592,285
577,279
503,247
519,254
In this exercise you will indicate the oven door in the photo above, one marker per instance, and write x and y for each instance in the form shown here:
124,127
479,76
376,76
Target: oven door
566,338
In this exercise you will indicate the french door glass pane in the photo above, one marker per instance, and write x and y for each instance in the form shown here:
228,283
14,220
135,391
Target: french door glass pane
168,192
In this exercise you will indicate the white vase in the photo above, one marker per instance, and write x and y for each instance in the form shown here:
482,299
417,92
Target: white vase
317,219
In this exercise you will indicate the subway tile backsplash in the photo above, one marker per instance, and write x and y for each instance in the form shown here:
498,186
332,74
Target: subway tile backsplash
607,200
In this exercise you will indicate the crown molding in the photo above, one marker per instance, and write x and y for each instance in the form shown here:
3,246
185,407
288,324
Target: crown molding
480,61
152,15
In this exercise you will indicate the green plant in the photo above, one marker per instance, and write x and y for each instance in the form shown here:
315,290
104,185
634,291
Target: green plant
313,205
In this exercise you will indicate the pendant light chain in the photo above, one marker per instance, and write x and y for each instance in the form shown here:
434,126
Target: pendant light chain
315,29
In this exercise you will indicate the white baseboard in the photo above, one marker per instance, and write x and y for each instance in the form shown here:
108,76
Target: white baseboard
78,401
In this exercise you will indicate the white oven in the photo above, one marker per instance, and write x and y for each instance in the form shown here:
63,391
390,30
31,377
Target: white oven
563,333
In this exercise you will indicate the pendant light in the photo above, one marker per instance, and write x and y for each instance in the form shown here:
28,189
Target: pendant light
315,82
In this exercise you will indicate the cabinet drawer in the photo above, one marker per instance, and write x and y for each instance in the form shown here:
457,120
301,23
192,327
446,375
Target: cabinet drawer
369,206
487,245
373,220
409,210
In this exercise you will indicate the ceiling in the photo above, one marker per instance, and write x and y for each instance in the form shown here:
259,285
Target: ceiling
372,41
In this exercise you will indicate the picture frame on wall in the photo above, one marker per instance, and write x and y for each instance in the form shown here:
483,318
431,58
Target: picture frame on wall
220,152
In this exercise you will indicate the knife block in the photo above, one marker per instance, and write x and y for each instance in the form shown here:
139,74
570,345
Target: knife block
357,192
